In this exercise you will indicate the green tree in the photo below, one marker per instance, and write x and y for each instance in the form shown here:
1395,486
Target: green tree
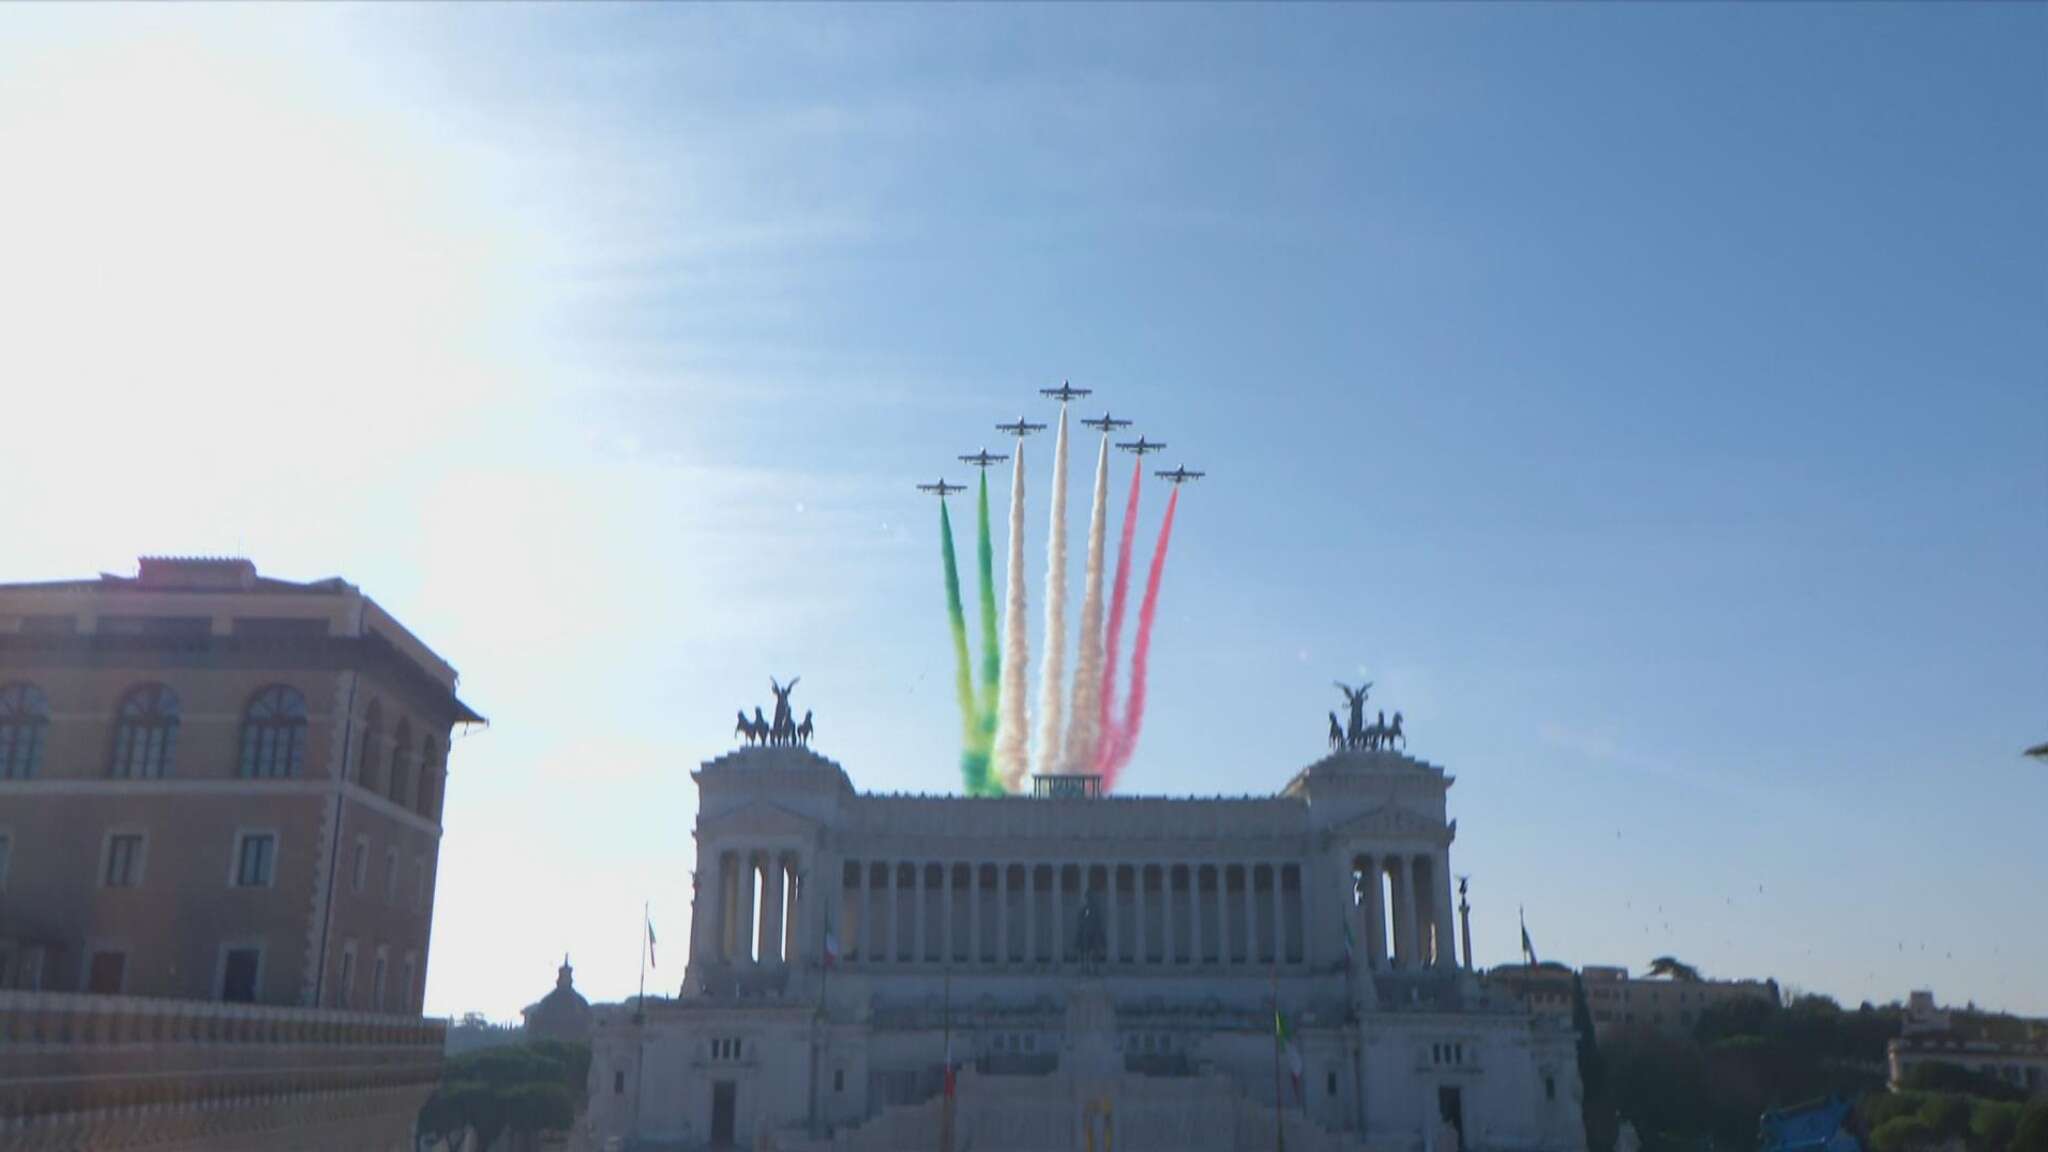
1675,968
1596,1099
2031,1134
521,1089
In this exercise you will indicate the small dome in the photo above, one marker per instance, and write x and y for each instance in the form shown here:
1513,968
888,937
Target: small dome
562,1014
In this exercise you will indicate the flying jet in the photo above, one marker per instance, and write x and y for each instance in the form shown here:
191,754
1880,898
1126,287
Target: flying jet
1179,475
1064,392
1021,428
1140,446
983,459
1107,423
941,489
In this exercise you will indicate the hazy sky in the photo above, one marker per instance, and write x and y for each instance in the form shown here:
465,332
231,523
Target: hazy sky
1652,400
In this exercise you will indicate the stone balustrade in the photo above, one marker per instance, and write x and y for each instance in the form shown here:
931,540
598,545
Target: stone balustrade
113,1071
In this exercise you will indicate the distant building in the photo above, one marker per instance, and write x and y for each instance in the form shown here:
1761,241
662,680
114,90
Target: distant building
2010,1048
1545,988
562,1014
218,786
1620,1004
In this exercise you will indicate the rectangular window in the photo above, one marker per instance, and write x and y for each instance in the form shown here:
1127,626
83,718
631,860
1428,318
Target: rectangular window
839,1079
106,973
345,986
618,1082
360,869
419,887
377,982
124,861
6,854
256,860
406,1001
238,974
391,875
1329,1083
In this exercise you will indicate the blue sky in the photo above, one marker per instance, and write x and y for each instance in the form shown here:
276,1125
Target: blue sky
1651,400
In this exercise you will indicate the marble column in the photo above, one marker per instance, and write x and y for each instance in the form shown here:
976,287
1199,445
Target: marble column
947,951
1030,913
768,947
1418,914
1373,902
1002,913
1110,900
1278,902
881,886
1138,927
1251,916
704,911
918,924
1060,936
1447,948
1397,911
1194,916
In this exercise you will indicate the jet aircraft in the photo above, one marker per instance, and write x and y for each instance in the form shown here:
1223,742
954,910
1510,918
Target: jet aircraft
941,489
983,458
1022,427
1179,475
1107,423
1064,392
1140,446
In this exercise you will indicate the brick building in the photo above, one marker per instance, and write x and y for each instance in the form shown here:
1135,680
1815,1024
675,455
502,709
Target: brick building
217,785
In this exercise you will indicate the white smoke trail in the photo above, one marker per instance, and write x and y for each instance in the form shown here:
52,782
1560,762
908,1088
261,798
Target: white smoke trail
1012,750
1052,666
1084,722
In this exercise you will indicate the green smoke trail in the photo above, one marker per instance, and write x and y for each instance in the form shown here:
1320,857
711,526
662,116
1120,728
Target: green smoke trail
991,647
973,762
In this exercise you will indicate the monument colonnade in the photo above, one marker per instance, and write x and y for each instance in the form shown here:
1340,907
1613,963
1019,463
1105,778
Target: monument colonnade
756,908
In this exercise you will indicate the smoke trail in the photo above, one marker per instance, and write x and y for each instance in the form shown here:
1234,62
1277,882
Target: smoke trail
1126,737
991,652
1113,638
973,762
1012,740
1051,670
1084,722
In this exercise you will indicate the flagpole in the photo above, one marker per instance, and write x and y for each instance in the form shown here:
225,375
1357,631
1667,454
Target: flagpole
640,1023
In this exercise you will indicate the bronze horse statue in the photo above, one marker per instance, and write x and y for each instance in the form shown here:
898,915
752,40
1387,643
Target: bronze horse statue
805,730
1336,733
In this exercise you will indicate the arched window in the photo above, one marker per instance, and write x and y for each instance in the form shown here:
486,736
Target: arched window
431,775
401,764
145,733
373,736
24,717
274,733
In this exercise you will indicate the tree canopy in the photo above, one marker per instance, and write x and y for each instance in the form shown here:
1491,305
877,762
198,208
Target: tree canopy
524,1089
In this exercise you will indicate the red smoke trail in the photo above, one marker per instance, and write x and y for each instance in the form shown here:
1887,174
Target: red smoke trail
1116,615
1126,738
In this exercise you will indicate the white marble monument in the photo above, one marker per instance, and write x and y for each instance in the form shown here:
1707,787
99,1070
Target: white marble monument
1100,968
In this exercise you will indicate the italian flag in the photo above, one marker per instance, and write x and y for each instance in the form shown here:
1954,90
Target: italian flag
1284,1037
